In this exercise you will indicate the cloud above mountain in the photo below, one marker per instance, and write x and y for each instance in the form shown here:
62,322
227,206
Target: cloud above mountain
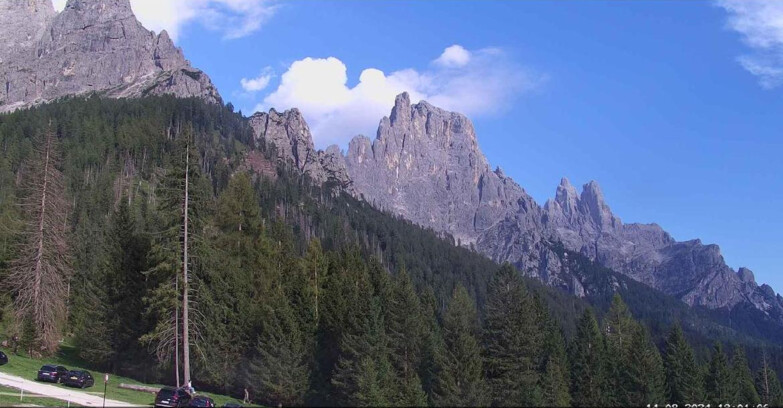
476,83
760,22
230,18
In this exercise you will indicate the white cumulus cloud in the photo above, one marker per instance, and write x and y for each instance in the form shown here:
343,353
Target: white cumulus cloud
231,18
258,83
454,56
760,23
475,83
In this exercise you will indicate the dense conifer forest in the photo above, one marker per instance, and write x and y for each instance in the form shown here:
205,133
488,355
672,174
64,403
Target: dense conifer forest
307,296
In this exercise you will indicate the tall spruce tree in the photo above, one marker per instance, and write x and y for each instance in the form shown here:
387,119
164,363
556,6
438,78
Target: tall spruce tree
744,387
588,364
620,330
512,341
645,379
364,375
279,371
406,327
555,378
719,382
460,379
432,346
768,384
684,382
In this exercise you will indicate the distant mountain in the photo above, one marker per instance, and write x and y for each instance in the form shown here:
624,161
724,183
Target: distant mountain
91,46
425,165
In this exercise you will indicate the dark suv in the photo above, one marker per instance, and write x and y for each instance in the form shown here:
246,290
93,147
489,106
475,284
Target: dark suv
3,358
52,373
202,401
80,379
172,397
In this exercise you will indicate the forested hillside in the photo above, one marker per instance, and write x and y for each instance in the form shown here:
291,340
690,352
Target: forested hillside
305,295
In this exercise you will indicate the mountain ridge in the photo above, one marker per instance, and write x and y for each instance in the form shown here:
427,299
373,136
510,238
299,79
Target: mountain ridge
425,165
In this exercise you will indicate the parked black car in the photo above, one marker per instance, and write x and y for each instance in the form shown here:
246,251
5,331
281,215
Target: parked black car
80,379
52,373
172,397
202,401
3,358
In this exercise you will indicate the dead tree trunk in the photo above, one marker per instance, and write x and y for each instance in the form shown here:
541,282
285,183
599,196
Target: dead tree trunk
38,276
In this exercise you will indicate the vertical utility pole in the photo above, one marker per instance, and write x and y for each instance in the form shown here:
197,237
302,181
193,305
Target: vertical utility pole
185,320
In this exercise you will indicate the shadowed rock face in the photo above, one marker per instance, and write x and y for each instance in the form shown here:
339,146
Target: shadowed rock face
291,136
91,46
425,165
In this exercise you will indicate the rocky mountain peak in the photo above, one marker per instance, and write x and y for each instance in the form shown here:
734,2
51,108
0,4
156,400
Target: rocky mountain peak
289,133
425,164
92,46
567,197
594,205
746,275
401,112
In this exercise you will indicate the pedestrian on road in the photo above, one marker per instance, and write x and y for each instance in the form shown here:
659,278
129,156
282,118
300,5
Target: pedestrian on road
190,388
247,397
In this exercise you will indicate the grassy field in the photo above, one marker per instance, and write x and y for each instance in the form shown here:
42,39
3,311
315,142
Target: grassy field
26,367
9,397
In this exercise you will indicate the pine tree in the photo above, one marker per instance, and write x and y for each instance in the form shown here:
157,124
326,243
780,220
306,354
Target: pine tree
645,379
460,380
363,375
768,384
555,378
512,341
406,336
744,388
588,362
683,376
719,384
354,348
432,346
176,255
619,329
279,370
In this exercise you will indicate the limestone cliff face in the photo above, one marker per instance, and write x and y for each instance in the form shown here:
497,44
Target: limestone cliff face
292,139
91,46
425,165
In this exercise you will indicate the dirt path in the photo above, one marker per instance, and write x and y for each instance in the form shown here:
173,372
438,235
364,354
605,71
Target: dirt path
75,397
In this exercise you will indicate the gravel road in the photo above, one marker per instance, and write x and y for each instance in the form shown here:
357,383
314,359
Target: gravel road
74,396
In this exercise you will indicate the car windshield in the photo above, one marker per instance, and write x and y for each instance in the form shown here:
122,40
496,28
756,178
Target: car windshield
77,373
48,368
165,393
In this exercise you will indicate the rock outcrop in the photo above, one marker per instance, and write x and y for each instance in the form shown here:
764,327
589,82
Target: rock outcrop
291,137
425,165
92,46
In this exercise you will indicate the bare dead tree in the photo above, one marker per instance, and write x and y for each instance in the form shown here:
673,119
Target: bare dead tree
38,276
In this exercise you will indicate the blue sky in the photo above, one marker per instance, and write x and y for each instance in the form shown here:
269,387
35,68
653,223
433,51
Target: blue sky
672,106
